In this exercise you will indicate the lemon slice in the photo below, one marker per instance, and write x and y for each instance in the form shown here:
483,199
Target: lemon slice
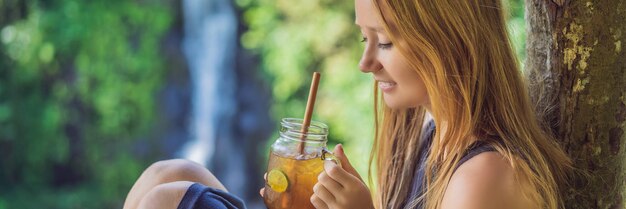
277,180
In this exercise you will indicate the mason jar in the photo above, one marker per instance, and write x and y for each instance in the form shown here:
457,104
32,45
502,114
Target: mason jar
296,159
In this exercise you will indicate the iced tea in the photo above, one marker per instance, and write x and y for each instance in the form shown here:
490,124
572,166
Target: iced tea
290,181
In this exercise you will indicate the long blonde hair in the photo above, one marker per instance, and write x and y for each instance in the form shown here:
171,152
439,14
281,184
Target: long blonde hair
461,51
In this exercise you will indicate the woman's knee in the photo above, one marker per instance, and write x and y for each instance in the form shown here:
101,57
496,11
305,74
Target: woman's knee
182,170
165,196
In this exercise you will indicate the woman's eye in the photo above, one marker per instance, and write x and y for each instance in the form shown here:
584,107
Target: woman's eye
385,46
380,45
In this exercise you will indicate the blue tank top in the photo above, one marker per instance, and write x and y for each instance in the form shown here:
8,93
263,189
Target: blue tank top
418,183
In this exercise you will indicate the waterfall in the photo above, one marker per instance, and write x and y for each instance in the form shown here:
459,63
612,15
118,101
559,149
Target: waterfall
209,45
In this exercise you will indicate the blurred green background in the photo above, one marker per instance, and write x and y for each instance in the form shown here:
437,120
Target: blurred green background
92,92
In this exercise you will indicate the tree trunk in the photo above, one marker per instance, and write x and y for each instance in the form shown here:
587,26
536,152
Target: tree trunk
576,68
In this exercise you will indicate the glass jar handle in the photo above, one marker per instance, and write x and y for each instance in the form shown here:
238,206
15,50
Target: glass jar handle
329,156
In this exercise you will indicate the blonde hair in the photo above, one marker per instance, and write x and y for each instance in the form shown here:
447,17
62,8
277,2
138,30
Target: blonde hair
461,51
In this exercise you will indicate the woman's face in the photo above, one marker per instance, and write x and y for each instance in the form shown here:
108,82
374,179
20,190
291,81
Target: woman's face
401,86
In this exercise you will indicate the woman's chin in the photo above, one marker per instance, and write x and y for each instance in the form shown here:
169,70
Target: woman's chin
395,103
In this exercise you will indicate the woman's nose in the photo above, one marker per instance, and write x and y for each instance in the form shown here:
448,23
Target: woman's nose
369,63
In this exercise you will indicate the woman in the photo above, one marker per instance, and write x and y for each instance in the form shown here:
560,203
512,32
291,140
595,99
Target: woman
451,60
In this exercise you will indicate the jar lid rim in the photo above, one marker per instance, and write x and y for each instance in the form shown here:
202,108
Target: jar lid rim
316,129
299,121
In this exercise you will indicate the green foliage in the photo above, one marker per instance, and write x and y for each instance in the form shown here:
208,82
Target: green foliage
517,28
78,81
295,39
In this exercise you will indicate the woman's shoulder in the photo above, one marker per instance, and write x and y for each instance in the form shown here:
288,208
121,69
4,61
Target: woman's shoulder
486,180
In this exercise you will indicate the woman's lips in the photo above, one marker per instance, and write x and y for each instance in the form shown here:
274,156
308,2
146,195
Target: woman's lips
386,86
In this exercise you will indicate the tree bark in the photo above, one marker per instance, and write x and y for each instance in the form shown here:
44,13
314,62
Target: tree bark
576,71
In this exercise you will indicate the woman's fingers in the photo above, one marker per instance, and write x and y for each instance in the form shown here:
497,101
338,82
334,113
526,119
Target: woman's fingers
318,203
329,183
262,190
338,174
323,193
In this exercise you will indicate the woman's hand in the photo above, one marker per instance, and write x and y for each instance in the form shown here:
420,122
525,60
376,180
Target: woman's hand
340,188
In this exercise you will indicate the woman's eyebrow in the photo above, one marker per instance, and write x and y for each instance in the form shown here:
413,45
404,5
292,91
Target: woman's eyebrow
377,29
